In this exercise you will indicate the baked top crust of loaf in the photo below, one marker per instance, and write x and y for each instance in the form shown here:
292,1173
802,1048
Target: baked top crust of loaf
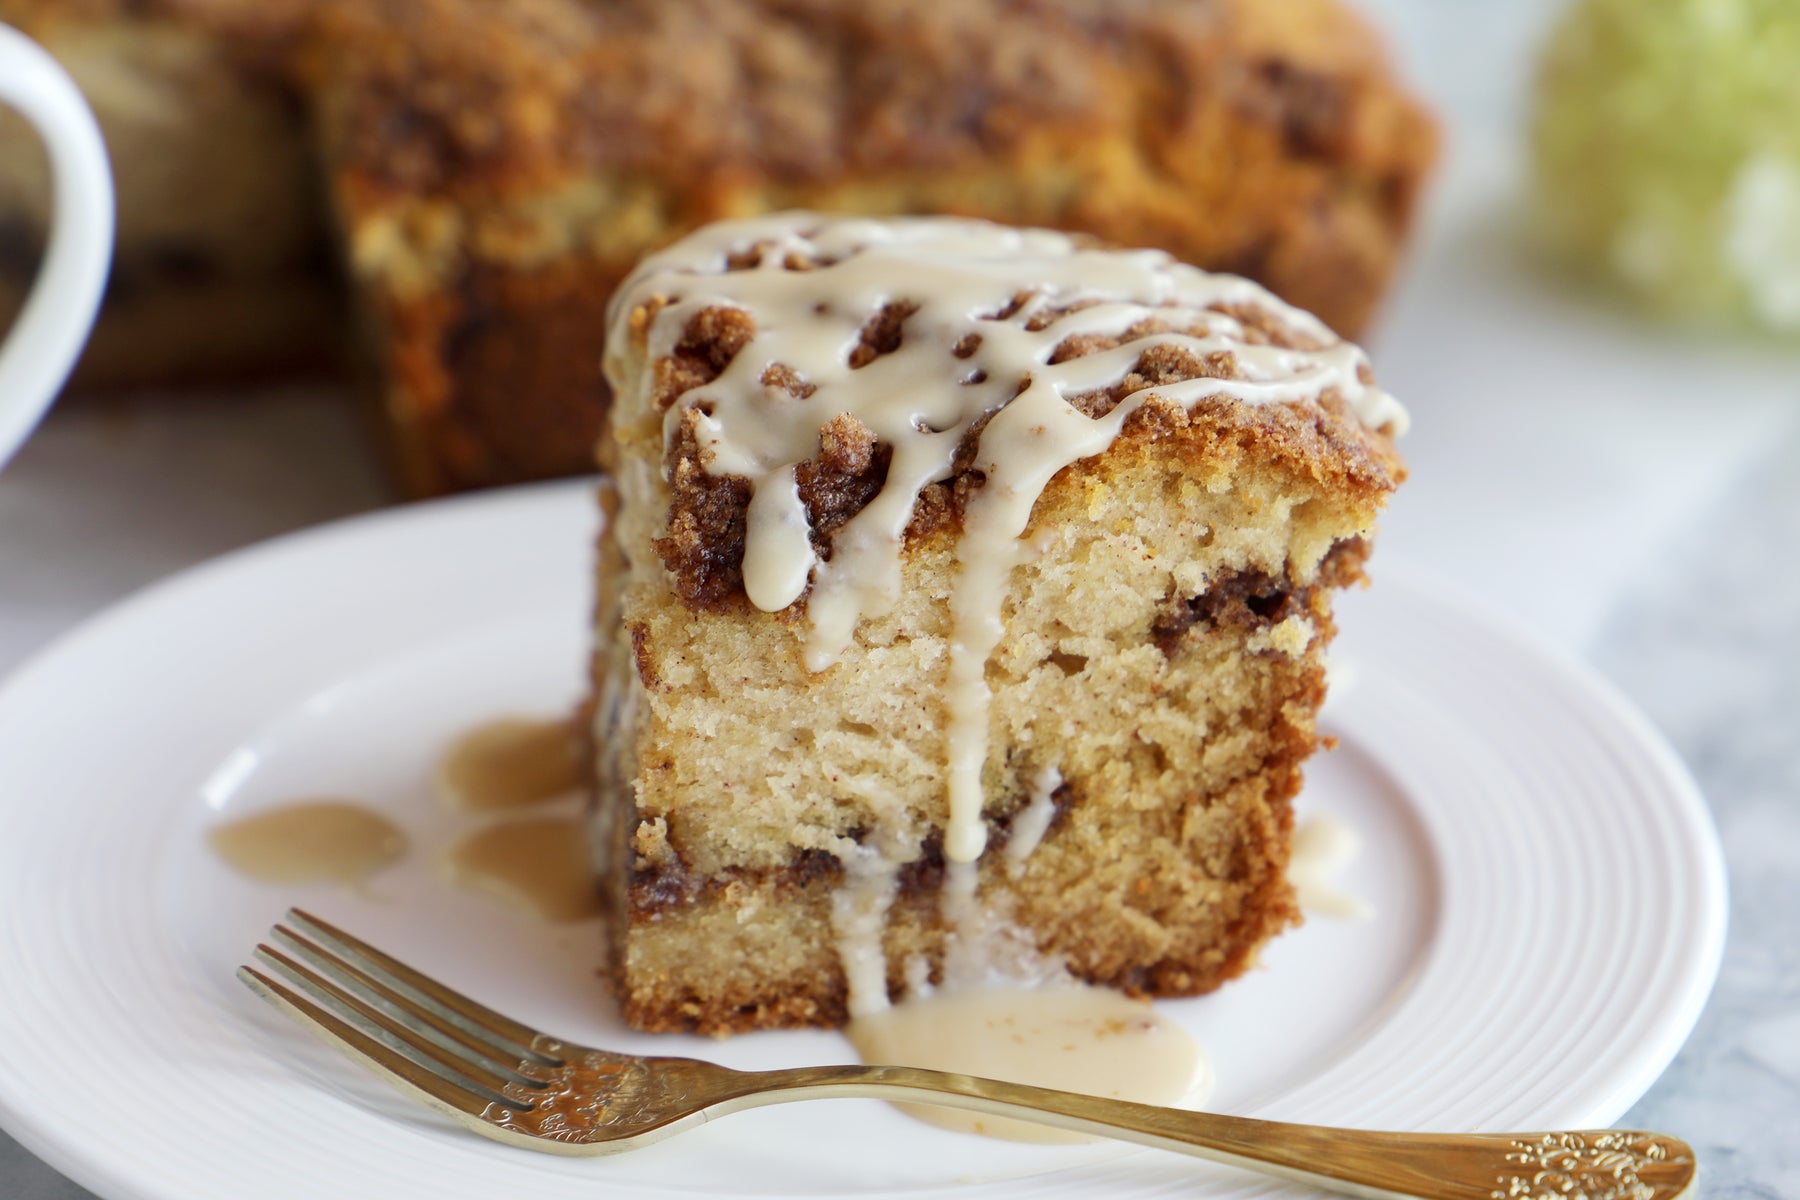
1269,140
497,98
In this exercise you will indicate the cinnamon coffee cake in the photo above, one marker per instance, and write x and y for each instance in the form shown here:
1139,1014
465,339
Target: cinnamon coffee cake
963,610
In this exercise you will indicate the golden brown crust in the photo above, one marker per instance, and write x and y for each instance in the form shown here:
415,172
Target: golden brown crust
453,98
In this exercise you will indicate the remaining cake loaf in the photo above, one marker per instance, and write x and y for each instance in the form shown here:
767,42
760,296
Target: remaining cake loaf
963,609
499,167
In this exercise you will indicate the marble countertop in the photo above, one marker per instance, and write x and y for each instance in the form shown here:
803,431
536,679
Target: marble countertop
1634,496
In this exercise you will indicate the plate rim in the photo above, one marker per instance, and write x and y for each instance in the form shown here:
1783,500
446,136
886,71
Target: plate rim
1686,792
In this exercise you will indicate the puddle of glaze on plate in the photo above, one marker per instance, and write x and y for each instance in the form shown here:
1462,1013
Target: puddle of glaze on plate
541,865
1324,847
1066,1036
310,841
510,763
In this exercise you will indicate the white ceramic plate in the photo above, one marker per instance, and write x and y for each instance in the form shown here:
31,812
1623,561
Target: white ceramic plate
1548,890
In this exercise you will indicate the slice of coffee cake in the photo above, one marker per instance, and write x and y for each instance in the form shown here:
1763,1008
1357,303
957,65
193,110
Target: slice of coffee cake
964,610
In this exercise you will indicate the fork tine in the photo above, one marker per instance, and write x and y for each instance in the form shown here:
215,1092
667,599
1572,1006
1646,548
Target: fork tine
402,1072
503,1060
453,1006
471,1076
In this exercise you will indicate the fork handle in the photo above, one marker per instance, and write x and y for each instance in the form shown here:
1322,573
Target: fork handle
1607,1164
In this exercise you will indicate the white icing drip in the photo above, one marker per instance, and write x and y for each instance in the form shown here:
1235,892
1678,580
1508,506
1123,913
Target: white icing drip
1341,676
859,911
920,400
983,946
968,926
1323,847
778,553
1030,823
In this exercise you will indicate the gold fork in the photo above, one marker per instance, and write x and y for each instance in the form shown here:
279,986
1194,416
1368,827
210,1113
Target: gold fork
512,1083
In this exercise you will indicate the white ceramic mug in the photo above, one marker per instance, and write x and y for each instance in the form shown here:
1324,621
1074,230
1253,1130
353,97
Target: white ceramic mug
52,327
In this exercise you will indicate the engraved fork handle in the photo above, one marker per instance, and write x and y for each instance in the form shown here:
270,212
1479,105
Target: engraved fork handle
1586,1165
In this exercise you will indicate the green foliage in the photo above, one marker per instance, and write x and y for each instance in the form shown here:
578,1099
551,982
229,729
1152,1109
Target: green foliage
1667,153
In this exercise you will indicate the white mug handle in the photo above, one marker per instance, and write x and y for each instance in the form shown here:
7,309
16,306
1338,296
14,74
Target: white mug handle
52,327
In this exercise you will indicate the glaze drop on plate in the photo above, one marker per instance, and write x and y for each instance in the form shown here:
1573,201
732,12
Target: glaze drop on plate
1067,1036
509,763
1323,847
540,865
312,841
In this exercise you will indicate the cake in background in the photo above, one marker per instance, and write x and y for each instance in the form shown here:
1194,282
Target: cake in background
496,168
1667,155
964,608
